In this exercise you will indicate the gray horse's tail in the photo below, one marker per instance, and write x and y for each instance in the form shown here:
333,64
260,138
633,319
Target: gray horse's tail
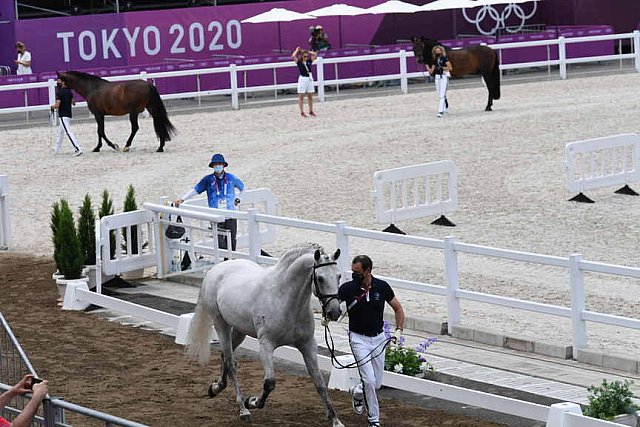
199,337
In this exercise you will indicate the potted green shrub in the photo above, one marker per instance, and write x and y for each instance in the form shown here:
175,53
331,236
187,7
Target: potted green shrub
55,218
612,401
70,257
87,236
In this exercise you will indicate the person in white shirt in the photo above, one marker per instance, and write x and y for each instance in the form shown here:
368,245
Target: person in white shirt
24,59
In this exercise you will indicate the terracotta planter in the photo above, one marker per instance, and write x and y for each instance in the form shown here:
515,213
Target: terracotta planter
62,284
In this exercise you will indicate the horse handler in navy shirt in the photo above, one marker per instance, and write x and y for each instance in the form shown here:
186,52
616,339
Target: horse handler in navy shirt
221,189
304,59
365,297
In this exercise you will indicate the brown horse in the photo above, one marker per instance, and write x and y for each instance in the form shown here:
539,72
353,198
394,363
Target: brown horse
117,99
469,60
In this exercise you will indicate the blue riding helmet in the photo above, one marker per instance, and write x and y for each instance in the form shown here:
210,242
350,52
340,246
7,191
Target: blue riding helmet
218,158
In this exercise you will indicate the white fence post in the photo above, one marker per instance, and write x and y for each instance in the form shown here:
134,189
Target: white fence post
451,274
253,232
636,49
578,325
234,86
320,75
562,57
404,84
5,218
342,242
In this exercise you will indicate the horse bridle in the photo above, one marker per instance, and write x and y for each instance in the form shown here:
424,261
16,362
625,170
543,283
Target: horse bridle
324,299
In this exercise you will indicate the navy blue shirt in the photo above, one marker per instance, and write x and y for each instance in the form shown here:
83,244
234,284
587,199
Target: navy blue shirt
304,68
65,97
366,316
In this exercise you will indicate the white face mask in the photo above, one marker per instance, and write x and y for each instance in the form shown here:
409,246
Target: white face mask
218,168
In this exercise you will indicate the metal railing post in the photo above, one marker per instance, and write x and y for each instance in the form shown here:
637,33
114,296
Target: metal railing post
320,75
404,85
342,243
253,233
234,86
578,325
453,283
636,49
562,57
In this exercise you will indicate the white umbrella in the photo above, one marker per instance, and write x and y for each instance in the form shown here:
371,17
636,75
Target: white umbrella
277,15
393,6
339,10
449,4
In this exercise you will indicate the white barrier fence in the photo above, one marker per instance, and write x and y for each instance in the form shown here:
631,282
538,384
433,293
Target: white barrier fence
5,217
234,90
416,191
454,295
78,297
602,162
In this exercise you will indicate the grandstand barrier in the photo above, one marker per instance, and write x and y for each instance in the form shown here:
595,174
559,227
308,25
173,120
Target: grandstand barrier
327,72
602,162
5,216
416,191
577,313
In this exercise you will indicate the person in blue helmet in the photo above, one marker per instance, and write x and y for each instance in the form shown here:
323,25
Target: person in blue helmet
221,189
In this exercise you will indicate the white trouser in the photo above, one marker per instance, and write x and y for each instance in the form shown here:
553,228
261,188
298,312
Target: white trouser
442,81
65,129
371,370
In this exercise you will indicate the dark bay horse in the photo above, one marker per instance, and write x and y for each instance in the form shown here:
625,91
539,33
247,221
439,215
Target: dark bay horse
470,60
105,98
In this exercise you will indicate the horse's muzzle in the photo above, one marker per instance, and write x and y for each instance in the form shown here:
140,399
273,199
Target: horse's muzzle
333,311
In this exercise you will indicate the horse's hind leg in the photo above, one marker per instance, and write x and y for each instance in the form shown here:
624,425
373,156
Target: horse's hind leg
266,357
229,363
216,387
309,352
133,118
487,83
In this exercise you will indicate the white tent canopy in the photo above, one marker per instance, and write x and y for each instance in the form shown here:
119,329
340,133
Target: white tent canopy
465,4
393,6
339,9
277,15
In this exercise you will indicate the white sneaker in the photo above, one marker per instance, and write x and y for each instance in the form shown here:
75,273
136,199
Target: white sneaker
56,150
357,404
78,153
440,115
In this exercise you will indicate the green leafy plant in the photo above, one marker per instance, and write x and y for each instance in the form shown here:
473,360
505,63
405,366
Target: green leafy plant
610,399
87,231
404,360
130,205
70,253
55,220
106,209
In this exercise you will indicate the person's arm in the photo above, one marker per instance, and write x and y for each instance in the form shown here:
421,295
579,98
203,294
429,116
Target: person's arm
448,67
240,186
26,59
399,314
189,194
313,55
25,418
431,69
20,388
294,55
56,105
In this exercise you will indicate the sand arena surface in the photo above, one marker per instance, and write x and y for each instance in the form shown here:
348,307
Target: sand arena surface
510,185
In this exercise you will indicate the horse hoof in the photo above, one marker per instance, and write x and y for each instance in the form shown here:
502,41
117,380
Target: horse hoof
245,417
125,150
213,390
160,150
488,109
115,146
337,423
96,150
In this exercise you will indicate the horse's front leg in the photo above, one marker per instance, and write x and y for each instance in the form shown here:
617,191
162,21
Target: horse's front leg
133,118
97,149
266,357
102,134
309,352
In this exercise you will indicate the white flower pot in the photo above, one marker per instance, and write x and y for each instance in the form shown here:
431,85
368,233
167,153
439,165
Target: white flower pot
55,275
133,275
90,272
62,283
627,419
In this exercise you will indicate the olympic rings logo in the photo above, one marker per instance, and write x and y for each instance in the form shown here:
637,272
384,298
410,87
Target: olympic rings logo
488,12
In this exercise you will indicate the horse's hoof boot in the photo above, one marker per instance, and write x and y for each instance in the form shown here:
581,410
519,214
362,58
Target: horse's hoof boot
125,150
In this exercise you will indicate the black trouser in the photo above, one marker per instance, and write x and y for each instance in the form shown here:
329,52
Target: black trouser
230,224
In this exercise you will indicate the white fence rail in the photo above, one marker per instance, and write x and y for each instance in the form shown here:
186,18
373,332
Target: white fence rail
5,217
234,89
415,191
454,295
602,162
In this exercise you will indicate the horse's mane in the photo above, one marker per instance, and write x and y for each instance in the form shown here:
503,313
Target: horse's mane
296,252
85,76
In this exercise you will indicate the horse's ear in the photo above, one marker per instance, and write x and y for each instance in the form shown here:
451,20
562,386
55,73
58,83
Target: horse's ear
336,255
414,39
316,256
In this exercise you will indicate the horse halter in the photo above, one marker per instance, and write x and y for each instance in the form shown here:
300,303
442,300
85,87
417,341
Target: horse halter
325,299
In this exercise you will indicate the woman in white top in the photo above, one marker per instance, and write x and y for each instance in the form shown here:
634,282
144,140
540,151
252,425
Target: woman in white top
24,59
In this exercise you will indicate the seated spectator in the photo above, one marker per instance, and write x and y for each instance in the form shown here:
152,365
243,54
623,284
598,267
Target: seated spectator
39,390
319,40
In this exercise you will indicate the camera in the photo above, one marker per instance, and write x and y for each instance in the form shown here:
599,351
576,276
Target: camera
33,381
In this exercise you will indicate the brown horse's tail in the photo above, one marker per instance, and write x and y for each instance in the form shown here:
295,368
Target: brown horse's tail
163,127
495,79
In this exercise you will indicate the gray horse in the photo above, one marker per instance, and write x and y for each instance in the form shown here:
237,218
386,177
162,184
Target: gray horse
272,304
